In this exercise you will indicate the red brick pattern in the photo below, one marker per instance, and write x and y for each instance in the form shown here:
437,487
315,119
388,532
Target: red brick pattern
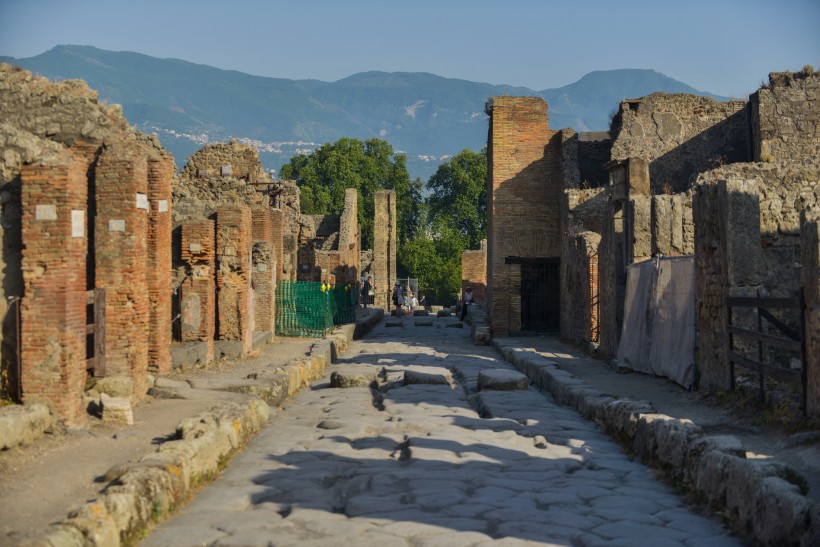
54,197
121,258
384,247
525,181
474,274
198,292
264,269
160,174
277,223
233,278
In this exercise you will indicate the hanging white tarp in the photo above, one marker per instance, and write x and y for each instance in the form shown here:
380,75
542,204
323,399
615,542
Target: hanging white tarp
658,335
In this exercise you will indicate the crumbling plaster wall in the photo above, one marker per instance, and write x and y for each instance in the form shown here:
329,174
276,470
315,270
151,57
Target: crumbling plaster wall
680,135
786,117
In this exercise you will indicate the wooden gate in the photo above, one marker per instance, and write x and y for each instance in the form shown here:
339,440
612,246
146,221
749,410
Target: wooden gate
793,339
95,326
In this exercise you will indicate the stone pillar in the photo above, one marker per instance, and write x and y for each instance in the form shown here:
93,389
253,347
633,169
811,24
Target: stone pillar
121,264
727,263
277,223
384,247
54,197
263,275
198,292
349,238
233,279
810,282
161,171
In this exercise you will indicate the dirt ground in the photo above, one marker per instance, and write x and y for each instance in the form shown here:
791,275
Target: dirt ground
42,482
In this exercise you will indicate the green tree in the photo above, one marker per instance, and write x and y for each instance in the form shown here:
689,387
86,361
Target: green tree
325,174
452,220
458,198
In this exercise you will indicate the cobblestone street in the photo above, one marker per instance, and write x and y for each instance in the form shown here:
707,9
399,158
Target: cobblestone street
432,463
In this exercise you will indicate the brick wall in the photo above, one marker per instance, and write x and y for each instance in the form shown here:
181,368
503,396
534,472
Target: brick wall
233,257
525,180
474,274
349,237
54,196
198,292
384,247
263,277
277,219
579,286
161,171
785,119
121,258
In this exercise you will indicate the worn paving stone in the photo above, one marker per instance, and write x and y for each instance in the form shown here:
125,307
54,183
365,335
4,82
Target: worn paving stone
418,465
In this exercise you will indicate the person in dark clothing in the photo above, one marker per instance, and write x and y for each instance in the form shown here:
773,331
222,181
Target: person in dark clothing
366,286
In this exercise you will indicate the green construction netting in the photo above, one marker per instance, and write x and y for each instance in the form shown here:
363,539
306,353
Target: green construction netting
311,309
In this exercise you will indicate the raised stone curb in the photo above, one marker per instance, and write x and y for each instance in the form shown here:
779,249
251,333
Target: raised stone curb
762,501
143,493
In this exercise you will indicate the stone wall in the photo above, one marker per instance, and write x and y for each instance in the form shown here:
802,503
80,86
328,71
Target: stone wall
584,156
233,280
579,286
524,189
384,247
198,291
219,174
161,173
786,117
681,136
263,273
672,231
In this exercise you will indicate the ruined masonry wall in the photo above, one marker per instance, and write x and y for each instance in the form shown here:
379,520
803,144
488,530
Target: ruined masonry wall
198,291
121,257
384,247
680,135
810,281
786,117
54,197
264,269
672,229
579,286
233,253
525,180
161,172
474,274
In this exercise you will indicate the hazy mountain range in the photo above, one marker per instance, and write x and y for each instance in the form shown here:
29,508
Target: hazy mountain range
425,116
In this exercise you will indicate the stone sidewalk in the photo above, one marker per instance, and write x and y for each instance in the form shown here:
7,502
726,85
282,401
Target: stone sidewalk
399,447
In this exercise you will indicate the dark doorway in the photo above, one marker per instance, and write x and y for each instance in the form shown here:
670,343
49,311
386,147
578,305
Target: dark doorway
541,295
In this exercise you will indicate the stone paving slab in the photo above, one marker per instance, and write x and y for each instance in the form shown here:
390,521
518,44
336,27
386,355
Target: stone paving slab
418,465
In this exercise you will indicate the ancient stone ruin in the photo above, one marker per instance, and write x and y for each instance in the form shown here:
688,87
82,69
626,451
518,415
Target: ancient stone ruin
116,269
617,241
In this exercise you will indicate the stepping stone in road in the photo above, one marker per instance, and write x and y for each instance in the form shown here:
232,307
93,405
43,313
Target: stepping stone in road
427,378
392,324
458,325
421,313
499,379
354,377
423,323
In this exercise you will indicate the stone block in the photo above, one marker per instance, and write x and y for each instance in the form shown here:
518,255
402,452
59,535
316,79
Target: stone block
443,313
498,379
427,378
117,410
354,377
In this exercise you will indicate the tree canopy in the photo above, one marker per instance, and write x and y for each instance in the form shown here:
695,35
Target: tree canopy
369,166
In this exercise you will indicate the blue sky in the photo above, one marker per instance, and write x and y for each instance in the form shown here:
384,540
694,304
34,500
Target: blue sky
726,47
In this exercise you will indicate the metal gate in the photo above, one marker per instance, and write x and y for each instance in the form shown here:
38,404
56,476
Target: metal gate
541,295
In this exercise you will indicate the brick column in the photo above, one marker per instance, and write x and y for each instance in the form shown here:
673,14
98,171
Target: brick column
474,274
121,258
160,174
263,275
233,256
384,247
54,195
277,221
198,292
810,281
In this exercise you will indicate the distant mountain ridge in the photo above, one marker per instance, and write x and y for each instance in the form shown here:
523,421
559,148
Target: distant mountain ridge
425,116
